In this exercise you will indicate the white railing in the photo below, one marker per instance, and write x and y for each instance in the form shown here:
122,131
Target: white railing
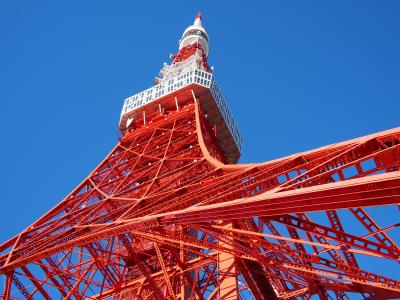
196,76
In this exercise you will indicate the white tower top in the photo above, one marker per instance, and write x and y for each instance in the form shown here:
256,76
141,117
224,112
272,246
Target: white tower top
195,34
193,52
188,78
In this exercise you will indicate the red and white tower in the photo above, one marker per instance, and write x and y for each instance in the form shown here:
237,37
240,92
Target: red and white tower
168,214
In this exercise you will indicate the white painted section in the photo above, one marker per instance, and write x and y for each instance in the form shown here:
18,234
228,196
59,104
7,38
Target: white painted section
196,76
169,71
128,122
195,34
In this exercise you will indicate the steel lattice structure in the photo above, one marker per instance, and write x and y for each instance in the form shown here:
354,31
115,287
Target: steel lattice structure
164,216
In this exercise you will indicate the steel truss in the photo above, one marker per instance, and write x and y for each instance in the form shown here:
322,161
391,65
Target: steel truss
163,217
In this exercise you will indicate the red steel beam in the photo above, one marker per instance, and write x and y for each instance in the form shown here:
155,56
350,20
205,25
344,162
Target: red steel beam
373,190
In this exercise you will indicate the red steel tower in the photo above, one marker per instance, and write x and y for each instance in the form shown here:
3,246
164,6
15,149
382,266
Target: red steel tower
168,214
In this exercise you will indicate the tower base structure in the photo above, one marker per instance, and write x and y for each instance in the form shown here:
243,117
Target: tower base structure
162,217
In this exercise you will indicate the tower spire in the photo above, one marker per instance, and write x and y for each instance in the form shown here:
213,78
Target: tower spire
197,19
195,34
192,54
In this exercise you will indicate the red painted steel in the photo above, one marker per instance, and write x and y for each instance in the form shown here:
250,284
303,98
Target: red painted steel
163,217
188,51
146,222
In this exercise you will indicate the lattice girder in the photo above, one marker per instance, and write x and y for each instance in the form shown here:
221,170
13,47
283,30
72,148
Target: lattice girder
146,223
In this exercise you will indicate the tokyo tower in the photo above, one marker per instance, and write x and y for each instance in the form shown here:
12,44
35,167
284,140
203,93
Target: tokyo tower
169,214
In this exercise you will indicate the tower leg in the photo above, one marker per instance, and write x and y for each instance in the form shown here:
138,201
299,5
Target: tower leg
7,291
182,258
227,272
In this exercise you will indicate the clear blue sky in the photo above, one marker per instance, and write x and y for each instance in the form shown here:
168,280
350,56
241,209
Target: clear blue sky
296,74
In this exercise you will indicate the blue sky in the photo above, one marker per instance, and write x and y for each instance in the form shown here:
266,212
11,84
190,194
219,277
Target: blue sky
296,74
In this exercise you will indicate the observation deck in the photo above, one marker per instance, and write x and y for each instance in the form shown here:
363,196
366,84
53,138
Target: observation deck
175,92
